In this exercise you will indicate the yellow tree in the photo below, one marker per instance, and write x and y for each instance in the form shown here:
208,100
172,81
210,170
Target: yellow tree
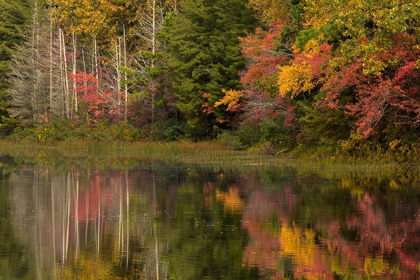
362,29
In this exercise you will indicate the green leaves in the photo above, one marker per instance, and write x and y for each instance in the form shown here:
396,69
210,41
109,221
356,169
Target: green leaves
13,18
204,54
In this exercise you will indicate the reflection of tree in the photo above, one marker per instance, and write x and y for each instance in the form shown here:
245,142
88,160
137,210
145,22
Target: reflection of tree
375,237
306,236
232,202
147,223
14,263
206,241
84,223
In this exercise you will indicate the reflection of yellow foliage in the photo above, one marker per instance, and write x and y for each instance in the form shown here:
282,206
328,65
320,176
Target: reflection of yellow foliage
375,266
86,267
349,184
299,244
232,202
295,79
231,99
336,265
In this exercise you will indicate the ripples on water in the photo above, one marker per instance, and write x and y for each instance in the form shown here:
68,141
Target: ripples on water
189,223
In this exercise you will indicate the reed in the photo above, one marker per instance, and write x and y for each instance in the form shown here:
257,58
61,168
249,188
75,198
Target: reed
209,155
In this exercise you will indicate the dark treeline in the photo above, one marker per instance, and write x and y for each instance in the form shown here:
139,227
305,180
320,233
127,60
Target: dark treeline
273,74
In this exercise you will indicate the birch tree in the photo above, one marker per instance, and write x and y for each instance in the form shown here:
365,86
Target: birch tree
150,24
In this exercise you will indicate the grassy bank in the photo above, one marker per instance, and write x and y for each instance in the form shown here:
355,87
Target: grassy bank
214,155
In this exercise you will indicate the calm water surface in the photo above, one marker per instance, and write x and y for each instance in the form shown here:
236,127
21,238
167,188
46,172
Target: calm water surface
162,222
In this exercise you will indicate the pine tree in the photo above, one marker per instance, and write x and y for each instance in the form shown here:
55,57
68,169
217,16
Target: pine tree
14,16
204,57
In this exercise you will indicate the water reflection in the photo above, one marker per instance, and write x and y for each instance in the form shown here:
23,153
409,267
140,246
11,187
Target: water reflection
155,222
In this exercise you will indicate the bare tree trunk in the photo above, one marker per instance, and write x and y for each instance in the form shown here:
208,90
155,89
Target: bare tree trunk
125,75
153,57
149,26
35,55
51,58
63,97
74,73
95,65
117,67
66,79
85,83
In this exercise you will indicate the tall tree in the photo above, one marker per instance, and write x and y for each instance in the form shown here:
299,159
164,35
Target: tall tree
14,16
204,57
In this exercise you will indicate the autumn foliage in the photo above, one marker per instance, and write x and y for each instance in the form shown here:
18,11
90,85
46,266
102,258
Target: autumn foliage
346,57
100,103
287,72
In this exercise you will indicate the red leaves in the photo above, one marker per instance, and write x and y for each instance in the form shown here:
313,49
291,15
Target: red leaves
260,50
207,108
373,101
99,100
259,81
395,90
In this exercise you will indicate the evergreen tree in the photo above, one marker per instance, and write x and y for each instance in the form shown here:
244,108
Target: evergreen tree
204,57
14,15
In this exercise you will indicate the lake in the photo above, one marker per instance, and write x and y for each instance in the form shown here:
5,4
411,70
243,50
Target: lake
179,221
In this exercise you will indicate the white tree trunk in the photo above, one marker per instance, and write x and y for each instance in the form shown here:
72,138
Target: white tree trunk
74,73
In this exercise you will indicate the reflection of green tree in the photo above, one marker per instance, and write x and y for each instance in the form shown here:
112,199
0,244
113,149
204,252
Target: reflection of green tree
205,243
322,200
14,261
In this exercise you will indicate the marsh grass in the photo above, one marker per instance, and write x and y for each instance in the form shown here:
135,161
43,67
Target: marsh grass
209,155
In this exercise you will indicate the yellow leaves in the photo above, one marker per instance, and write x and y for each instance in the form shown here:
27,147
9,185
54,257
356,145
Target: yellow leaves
85,16
231,99
376,266
394,144
311,47
294,79
270,10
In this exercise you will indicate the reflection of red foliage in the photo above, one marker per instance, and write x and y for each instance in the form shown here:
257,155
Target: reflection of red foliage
263,246
375,239
94,200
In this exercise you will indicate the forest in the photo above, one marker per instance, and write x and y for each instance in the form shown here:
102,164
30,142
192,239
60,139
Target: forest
276,75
